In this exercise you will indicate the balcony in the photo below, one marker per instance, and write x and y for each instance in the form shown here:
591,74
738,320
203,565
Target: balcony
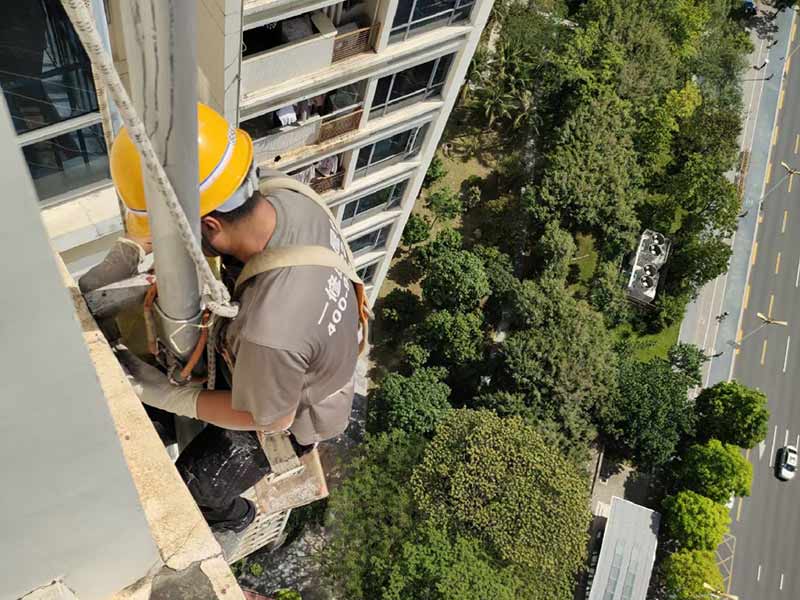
307,122
323,175
278,52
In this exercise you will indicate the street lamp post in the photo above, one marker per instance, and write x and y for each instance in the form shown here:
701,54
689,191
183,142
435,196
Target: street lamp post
767,320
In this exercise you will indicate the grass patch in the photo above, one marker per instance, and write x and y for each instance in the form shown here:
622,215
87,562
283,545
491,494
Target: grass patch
653,345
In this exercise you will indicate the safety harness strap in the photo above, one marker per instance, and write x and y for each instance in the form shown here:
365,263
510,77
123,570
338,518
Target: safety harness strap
300,256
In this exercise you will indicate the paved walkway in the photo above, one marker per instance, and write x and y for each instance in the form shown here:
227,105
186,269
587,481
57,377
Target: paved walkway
761,89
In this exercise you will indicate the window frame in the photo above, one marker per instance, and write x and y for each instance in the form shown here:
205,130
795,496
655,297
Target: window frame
430,90
406,28
370,265
408,151
373,246
346,222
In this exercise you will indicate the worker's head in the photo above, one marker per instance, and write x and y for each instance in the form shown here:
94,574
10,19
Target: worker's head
227,178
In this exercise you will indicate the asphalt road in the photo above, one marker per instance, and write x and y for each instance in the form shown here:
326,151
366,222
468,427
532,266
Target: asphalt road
766,526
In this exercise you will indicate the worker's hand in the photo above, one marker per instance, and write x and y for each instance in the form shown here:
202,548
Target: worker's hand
155,389
121,262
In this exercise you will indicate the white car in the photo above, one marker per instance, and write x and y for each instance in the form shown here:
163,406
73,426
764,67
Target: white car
786,463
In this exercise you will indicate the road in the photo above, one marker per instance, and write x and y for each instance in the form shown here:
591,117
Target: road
766,526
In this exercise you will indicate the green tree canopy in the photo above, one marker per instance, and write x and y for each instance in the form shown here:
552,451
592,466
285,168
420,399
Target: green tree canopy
694,521
445,204
733,414
650,413
436,567
454,339
455,280
417,229
554,251
496,480
607,294
373,514
414,403
717,471
683,574
687,359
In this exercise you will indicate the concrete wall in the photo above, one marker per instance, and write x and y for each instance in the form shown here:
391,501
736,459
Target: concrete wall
68,507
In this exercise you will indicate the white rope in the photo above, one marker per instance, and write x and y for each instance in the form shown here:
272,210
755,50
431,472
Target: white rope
214,294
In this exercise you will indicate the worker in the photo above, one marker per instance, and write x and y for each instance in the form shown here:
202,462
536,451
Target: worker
291,351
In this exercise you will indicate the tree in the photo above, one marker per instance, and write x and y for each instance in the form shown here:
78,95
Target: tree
414,404
444,204
717,471
496,480
441,568
500,273
607,294
684,573
417,229
372,514
695,262
694,521
400,309
455,280
414,356
733,414
687,359
454,339
446,239
554,251
650,412
435,172
593,179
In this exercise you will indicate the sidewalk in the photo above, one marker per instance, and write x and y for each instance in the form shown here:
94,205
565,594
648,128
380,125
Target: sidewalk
724,294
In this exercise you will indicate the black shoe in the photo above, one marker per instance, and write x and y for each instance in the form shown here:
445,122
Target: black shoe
237,525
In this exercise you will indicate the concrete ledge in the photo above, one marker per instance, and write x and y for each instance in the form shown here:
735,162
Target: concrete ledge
191,558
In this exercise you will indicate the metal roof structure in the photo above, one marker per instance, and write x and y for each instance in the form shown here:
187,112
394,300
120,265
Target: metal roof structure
627,554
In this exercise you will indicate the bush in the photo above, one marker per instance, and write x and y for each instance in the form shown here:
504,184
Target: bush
717,471
413,404
287,594
415,356
417,229
445,204
436,171
684,573
256,570
455,280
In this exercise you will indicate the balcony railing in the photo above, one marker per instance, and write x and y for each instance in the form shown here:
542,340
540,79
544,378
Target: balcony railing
353,42
325,184
339,126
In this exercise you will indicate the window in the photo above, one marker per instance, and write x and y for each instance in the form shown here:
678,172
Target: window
390,150
415,16
373,203
417,83
47,82
373,240
367,273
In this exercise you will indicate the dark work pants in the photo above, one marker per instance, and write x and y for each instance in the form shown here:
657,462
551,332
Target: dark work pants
218,465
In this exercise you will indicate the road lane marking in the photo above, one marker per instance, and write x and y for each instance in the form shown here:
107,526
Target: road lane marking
738,341
797,443
775,135
758,575
780,587
772,450
797,279
768,173
780,99
762,445
771,302
739,511
786,212
747,295
791,179
763,352
794,30
755,252
786,438
797,143
786,356
778,264
788,64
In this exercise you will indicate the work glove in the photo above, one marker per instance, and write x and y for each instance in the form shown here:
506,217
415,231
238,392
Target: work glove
121,262
154,388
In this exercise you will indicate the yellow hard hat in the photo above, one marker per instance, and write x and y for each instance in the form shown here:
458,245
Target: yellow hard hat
225,157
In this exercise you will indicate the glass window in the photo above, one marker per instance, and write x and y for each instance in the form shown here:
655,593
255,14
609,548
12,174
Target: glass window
373,240
47,82
367,273
414,16
390,150
419,82
44,72
381,200
68,161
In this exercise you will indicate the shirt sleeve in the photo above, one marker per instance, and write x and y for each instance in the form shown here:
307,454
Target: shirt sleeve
267,382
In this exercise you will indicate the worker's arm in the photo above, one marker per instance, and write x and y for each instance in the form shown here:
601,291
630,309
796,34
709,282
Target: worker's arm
215,407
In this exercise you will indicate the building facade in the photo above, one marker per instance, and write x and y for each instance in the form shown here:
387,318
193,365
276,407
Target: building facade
349,96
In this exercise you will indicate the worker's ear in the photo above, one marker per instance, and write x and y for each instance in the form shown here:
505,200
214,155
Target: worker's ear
210,225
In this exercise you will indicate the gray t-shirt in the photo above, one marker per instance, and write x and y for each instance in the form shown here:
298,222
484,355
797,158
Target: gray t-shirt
295,340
